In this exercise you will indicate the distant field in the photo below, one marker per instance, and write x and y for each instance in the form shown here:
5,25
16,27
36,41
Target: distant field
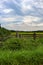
28,34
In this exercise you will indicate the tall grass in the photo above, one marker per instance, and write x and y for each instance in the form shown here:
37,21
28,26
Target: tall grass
21,57
21,52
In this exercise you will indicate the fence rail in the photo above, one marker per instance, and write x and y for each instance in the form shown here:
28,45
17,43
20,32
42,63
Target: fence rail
34,36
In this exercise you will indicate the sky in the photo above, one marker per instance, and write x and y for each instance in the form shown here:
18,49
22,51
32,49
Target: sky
21,14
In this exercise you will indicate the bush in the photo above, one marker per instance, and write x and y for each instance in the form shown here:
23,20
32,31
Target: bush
17,44
12,44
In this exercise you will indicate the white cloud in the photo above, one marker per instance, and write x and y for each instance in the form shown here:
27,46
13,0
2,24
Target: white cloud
23,27
25,19
18,19
11,19
25,6
7,10
30,19
8,19
41,24
28,5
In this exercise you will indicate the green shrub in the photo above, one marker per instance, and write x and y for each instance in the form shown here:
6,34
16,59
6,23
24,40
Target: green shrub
12,44
17,44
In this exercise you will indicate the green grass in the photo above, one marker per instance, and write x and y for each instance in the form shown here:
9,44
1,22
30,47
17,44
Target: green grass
37,32
18,51
15,51
21,57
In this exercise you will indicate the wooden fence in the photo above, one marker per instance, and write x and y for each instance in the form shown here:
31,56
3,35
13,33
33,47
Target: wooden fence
17,35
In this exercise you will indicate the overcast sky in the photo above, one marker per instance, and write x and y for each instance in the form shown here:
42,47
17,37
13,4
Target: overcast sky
14,13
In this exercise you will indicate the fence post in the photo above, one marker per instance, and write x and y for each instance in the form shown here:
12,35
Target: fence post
17,34
0,25
34,35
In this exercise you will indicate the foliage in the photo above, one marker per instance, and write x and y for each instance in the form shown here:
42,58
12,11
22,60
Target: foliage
17,44
4,33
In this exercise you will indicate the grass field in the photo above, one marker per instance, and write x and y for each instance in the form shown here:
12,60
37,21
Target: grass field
20,51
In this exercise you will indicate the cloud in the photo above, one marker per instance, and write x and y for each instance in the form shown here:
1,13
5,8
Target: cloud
11,19
23,27
30,19
26,6
8,19
21,11
7,10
